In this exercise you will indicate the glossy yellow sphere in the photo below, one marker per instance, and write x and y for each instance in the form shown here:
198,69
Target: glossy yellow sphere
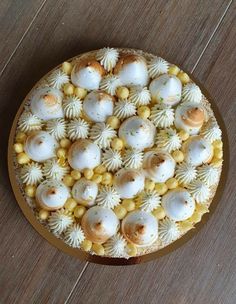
70,204
120,211
65,143
75,174
100,169
114,122
159,213
80,93
161,188
18,147
129,204
86,245
66,67
117,144
173,70
98,249
23,158
131,249
97,178
149,185
68,180
183,77
68,89
43,214
107,178
30,190
88,173
79,211
144,112
178,156
122,92
172,183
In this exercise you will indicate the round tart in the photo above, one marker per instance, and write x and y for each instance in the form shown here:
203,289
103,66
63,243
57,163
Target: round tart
118,153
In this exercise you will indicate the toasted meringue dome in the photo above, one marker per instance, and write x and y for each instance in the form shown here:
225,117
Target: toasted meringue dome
108,197
29,122
84,154
191,92
158,166
132,70
58,221
168,231
85,192
52,194
211,131
110,83
46,103
162,116
166,89
185,173
129,182
98,105
157,66
116,246
112,160
31,174
190,117
208,174
74,236
57,128
139,96
140,228
133,158
40,146
87,73
57,79
150,201
72,106
199,191
102,134
99,224
124,109
53,170
178,204
77,128
168,140
137,133
108,58
197,150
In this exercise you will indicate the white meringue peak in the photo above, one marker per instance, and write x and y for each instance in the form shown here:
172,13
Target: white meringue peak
162,116
31,174
150,201
72,106
139,95
124,109
168,140
157,66
185,173
199,191
108,57
112,160
57,128
53,170
77,128
191,92
29,122
208,174
59,221
108,197
116,246
211,131
133,158
74,236
168,231
57,79
110,83
102,134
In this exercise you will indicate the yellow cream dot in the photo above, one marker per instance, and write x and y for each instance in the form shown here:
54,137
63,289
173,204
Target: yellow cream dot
68,89
65,143
114,122
43,214
66,67
86,245
120,211
173,70
21,137
80,93
88,173
183,77
183,135
100,169
218,153
178,156
107,178
117,144
122,92
68,180
61,153
30,190
18,147
75,174
97,178
79,211
23,158
70,204
144,112
98,249
159,213
172,183
161,188
131,250
129,204
149,185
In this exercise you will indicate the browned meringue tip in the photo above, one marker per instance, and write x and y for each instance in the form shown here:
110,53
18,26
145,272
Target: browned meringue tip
89,62
194,118
126,59
50,99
